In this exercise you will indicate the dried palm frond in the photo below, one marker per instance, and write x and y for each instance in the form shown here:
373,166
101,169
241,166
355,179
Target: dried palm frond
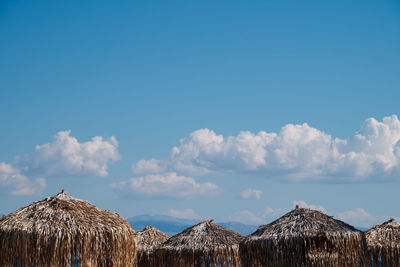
383,244
303,237
61,230
146,241
205,244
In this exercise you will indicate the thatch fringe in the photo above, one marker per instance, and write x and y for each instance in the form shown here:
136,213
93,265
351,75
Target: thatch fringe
205,244
383,244
61,230
303,237
146,241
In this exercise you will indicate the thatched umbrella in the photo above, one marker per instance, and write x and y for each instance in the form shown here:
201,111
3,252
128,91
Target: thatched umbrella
205,244
383,244
146,241
303,237
62,231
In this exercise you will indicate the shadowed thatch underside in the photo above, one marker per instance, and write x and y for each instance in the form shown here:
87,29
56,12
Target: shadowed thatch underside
303,237
205,244
383,243
60,230
146,241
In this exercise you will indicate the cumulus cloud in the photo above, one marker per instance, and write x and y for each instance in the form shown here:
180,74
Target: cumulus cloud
251,193
67,156
166,185
183,214
17,184
360,217
149,166
297,153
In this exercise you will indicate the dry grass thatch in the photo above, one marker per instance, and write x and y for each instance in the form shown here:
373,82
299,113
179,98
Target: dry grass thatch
383,244
60,230
146,241
303,237
205,244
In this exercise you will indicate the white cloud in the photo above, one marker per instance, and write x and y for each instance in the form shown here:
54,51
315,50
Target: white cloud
272,214
17,184
258,218
296,153
361,218
251,193
303,204
149,166
247,217
166,185
183,214
357,214
66,156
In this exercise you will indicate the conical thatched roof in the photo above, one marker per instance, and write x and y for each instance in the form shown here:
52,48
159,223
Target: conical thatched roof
303,237
205,244
146,241
60,230
383,243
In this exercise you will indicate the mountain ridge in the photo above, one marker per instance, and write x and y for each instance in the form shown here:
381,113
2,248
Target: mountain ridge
171,225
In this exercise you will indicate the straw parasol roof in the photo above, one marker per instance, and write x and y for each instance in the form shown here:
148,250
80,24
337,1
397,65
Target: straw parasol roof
146,241
383,243
205,244
61,230
303,237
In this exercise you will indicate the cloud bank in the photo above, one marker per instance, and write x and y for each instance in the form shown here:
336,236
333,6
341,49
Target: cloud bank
17,184
183,214
251,193
66,156
166,185
297,153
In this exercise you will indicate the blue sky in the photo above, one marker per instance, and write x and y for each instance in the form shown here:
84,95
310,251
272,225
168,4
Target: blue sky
268,103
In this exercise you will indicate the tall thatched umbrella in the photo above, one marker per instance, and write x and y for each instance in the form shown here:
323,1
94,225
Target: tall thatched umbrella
303,237
383,244
205,244
61,230
146,241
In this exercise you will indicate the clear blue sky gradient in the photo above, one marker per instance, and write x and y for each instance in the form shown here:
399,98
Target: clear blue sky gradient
152,72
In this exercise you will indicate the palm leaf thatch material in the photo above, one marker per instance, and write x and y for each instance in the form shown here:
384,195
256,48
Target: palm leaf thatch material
303,237
146,241
205,244
60,230
383,244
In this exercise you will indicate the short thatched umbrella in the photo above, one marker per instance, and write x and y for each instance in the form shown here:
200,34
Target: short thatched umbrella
303,237
205,244
383,244
146,241
61,230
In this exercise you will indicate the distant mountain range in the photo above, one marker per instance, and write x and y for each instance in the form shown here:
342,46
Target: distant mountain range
171,225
